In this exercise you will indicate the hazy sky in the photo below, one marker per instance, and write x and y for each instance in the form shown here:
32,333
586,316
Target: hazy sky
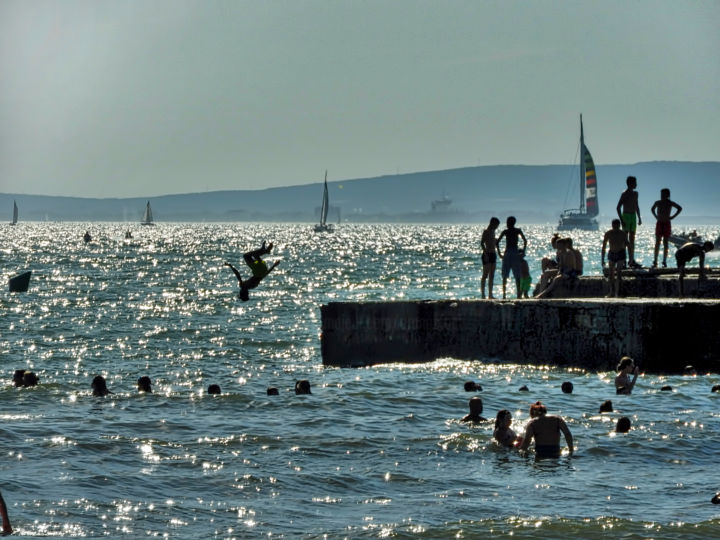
124,98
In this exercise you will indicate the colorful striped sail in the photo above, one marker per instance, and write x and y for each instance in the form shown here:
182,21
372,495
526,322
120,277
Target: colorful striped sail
591,202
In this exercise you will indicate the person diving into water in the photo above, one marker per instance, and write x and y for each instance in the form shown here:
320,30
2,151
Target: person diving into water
258,267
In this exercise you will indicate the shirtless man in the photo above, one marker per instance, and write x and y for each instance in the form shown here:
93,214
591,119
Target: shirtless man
662,210
476,408
258,267
489,255
617,241
511,257
628,210
546,432
688,252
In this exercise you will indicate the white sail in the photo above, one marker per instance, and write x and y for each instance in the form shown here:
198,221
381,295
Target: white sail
15,214
323,226
148,217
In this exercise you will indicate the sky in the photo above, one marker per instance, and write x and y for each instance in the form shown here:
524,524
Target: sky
136,98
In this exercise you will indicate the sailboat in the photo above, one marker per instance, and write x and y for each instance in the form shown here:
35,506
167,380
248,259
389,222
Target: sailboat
323,226
147,217
15,214
583,217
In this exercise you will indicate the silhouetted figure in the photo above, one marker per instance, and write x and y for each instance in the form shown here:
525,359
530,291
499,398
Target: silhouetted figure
511,256
687,253
567,387
18,377
623,383
302,387
606,406
99,386
616,241
662,210
214,389
488,244
30,379
472,386
258,267
546,431
628,210
476,408
502,432
623,425
86,237
272,391
144,384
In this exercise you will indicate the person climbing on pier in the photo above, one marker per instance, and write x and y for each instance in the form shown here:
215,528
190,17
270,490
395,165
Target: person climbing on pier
662,210
258,267
628,210
688,252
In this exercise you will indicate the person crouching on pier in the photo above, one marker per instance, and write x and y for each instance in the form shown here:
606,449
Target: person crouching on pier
688,252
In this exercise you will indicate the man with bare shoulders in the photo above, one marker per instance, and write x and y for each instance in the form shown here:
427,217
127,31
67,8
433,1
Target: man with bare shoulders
616,240
546,432
488,244
628,210
662,210
568,269
511,256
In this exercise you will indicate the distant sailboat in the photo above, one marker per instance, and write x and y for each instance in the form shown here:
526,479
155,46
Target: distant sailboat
583,217
15,214
147,217
323,226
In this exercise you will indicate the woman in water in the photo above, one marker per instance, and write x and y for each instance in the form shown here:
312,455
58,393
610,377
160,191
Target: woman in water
503,434
623,383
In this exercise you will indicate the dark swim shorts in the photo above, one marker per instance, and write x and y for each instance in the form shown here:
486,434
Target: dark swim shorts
489,258
544,451
616,256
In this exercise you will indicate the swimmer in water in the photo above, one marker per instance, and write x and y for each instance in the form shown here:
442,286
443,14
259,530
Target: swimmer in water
476,409
546,432
503,433
258,267
623,383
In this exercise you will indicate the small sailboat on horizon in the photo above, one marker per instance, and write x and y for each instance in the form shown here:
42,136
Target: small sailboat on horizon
324,226
148,216
15,214
584,216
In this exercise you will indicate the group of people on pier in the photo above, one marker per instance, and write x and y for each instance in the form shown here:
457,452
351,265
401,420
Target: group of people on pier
618,242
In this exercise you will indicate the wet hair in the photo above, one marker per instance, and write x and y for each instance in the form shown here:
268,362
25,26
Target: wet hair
567,387
630,180
272,391
665,193
511,221
18,377
243,294
29,379
537,409
302,387
502,414
616,223
472,386
144,384
625,361
475,405
494,221
708,246
606,406
623,425
666,388
214,389
99,386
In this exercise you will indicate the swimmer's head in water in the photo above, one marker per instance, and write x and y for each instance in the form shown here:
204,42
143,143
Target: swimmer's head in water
476,405
144,384
623,425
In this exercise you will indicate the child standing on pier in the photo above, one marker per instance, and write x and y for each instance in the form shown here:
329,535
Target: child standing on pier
662,210
628,210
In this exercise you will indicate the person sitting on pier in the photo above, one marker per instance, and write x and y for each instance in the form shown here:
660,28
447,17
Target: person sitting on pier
476,409
258,267
551,263
616,241
503,433
623,383
511,256
550,266
662,210
546,432
688,252
578,257
488,244
568,269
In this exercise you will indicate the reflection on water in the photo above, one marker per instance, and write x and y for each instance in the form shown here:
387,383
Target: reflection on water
372,452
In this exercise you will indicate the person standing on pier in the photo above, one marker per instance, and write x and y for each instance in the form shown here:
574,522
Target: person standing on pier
688,252
628,210
488,244
662,210
617,241
511,256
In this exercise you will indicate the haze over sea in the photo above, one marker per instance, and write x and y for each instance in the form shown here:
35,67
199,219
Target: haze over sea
373,452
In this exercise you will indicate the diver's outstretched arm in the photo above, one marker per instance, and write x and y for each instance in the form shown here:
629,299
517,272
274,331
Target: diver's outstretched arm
237,274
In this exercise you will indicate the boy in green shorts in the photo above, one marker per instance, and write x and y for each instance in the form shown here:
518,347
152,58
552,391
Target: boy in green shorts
525,277
628,210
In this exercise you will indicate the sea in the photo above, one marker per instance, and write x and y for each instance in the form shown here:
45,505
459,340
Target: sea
376,452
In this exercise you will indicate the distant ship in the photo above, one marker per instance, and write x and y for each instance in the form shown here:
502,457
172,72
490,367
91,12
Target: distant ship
15,214
324,226
583,217
147,217
441,205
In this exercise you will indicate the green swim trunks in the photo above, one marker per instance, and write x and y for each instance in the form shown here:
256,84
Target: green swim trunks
525,284
259,269
629,222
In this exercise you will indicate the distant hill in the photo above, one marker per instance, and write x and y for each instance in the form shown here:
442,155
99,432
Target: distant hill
535,194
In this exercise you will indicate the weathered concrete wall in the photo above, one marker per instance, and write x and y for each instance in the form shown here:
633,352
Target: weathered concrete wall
663,335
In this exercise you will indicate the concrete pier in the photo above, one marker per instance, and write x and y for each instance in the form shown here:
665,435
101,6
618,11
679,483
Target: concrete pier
662,334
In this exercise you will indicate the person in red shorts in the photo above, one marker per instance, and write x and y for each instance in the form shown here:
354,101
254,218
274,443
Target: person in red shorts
662,210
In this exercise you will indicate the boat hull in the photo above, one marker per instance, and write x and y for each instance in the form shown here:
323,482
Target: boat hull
577,221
